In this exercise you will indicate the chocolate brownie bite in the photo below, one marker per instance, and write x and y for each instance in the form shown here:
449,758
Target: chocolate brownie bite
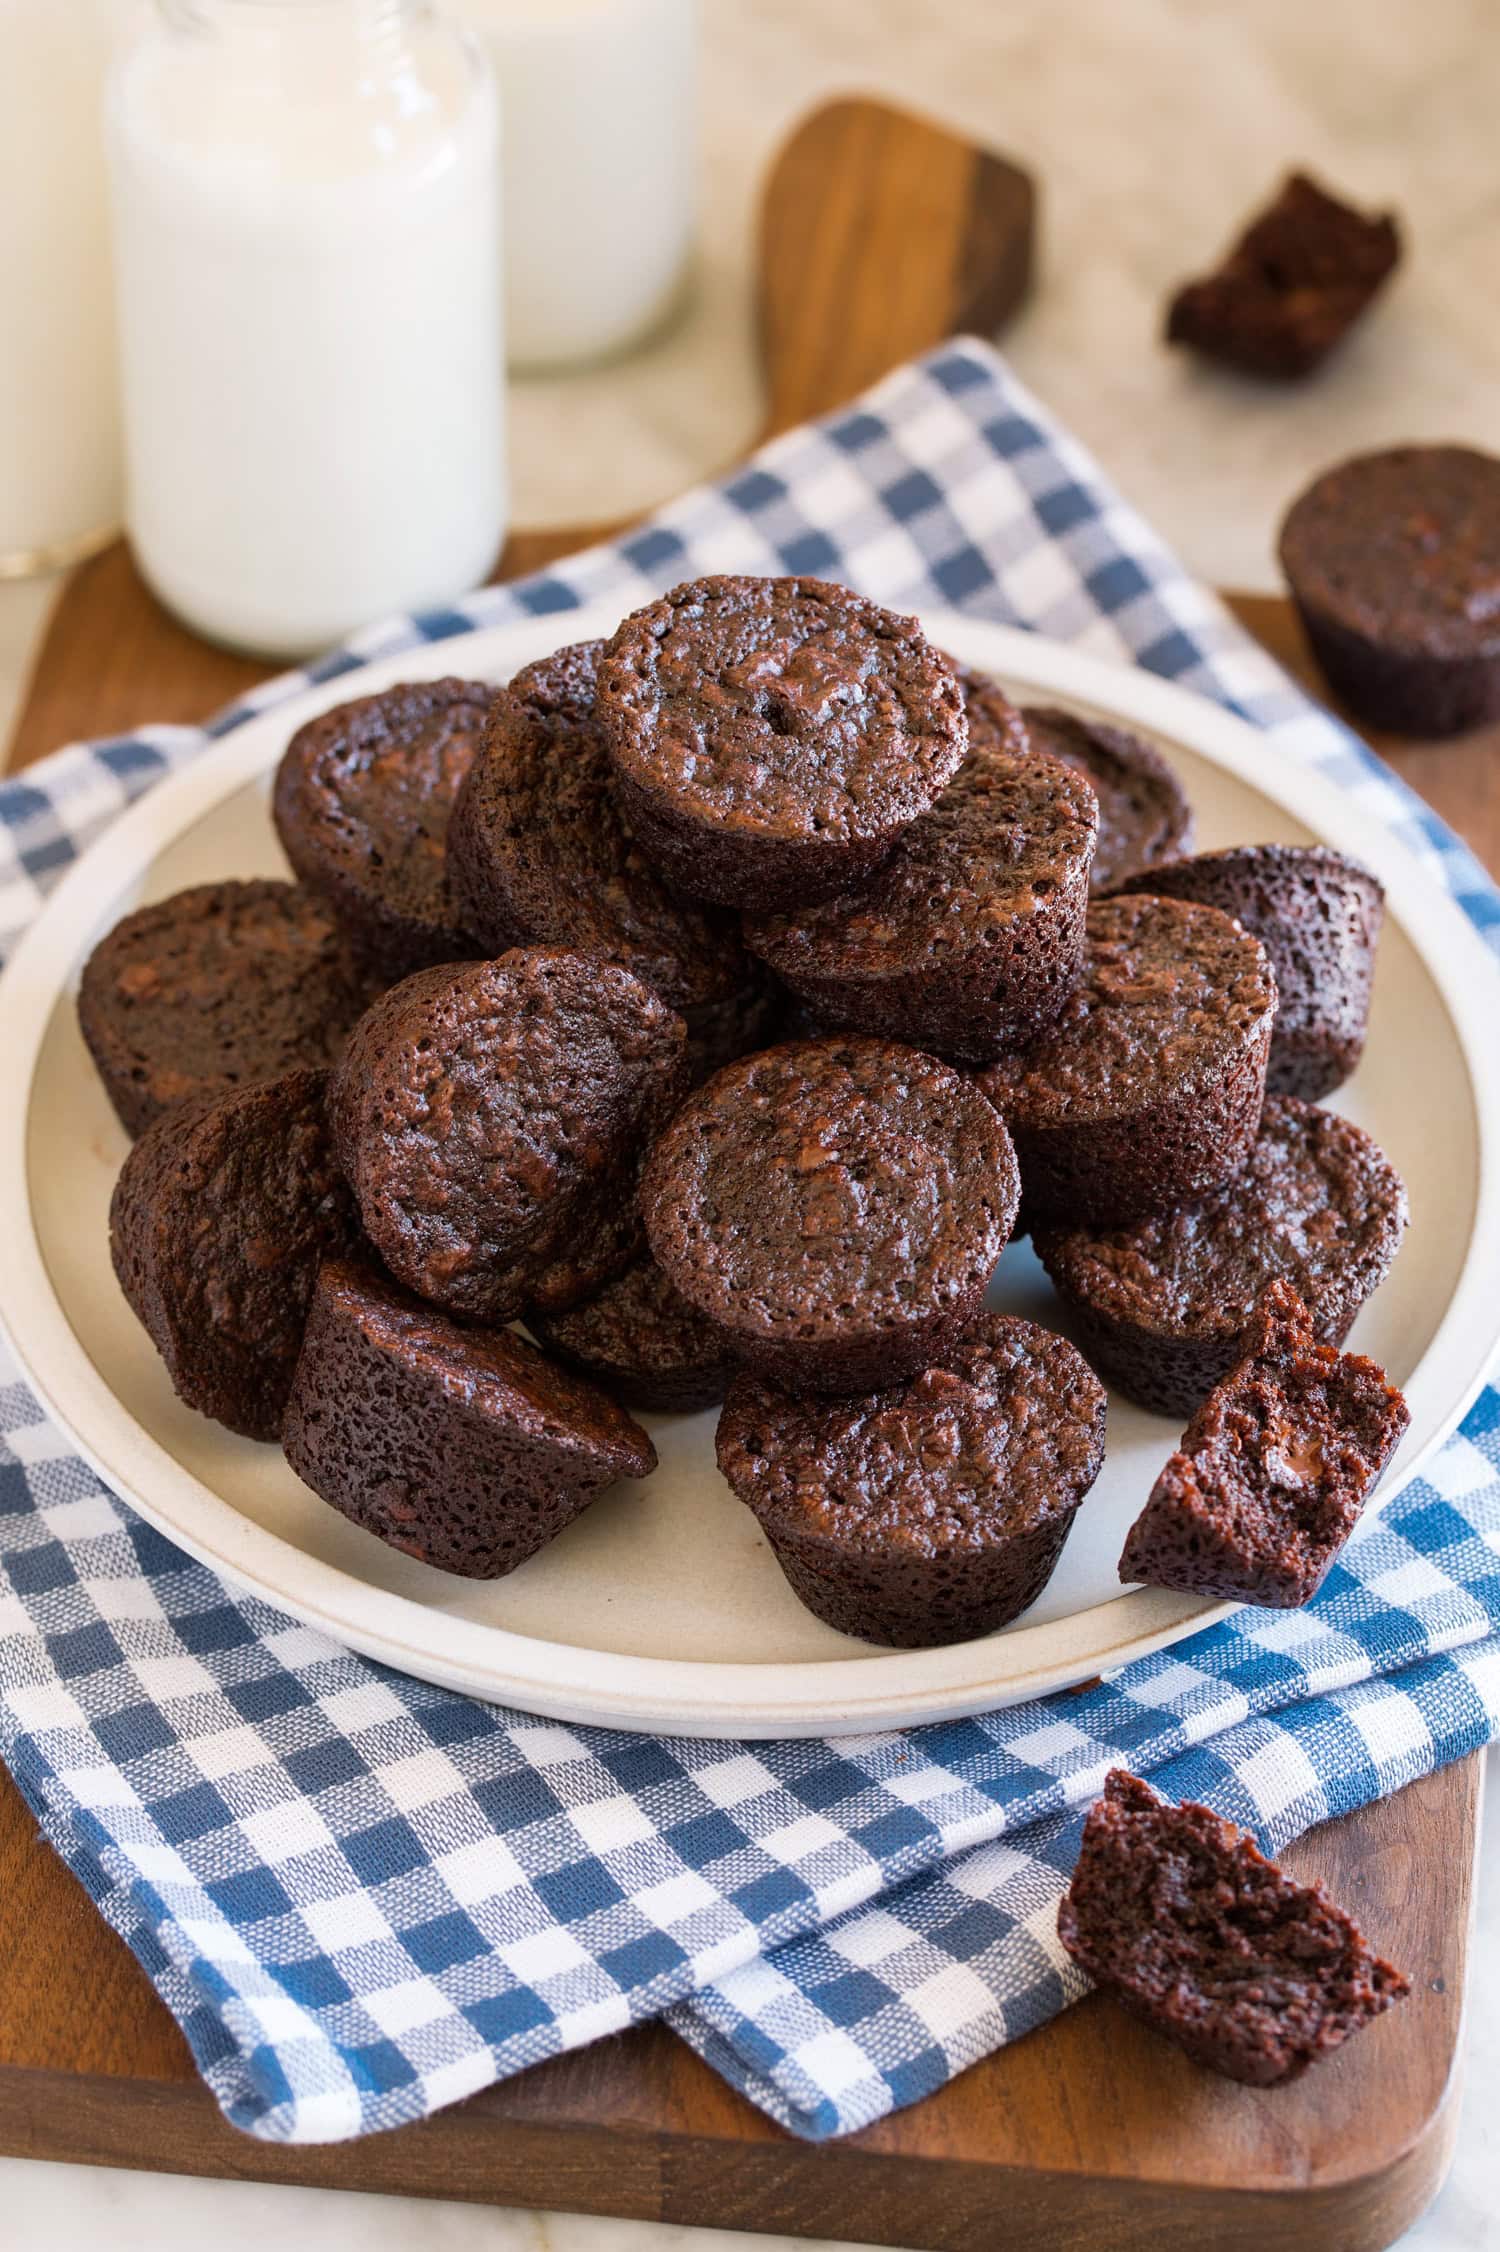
214,988
1291,287
491,1118
1163,1306
220,1218
540,854
936,1509
1273,1471
642,1341
970,937
1145,819
1393,560
994,721
834,1208
773,737
362,801
461,1447
1318,916
1148,1088
1182,1918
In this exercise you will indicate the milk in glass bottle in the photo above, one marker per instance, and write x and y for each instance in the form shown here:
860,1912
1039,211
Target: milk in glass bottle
306,221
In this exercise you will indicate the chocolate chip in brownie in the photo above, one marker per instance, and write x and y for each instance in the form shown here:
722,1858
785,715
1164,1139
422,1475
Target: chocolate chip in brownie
1273,1471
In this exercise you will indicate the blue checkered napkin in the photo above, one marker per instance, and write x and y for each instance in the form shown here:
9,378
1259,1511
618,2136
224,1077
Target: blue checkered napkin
364,1898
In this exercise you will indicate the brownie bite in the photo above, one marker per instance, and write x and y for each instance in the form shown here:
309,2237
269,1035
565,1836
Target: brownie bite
1291,287
642,1341
970,937
1393,560
461,1447
491,1118
1163,1307
221,1216
834,1208
539,853
212,989
773,737
361,804
1145,819
993,719
1182,1918
1318,916
1148,1088
934,1510
1273,1470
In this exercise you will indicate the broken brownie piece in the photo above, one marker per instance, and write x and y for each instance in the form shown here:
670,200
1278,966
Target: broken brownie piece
1291,287
1184,1919
1273,1470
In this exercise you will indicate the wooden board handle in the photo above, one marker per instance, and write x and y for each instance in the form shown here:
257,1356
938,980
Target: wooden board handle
880,235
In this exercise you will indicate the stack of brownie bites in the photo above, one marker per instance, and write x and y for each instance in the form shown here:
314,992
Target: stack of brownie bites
717,1002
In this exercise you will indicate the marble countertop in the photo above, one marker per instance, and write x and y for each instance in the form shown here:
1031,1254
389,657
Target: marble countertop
1155,128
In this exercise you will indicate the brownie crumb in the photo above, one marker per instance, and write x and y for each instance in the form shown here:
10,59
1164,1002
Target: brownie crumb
1291,288
1273,1470
1183,1918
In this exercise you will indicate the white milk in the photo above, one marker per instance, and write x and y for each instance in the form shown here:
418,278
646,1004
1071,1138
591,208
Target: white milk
600,167
306,227
59,436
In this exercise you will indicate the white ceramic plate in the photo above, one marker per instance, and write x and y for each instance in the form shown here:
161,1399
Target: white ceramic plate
661,1607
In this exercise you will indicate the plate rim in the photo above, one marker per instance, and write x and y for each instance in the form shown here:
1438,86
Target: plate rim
693,1696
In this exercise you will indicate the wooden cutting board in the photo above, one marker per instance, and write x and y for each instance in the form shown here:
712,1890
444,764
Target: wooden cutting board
880,236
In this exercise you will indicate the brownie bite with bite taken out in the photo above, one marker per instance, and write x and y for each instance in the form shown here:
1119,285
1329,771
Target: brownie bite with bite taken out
461,1447
362,802
1148,1087
834,1208
773,737
935,1509
1182,1918
1291,288
1273,1470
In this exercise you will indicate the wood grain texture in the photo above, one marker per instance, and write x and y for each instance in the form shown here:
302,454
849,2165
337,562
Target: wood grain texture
1087,2134
881,235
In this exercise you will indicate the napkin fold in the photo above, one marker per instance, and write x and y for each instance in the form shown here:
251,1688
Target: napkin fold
363,1897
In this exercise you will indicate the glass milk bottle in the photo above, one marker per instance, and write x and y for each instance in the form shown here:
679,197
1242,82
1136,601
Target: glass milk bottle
306,221
600,167
59,436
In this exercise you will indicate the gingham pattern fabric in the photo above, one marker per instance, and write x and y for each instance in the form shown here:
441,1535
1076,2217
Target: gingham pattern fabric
363,1897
